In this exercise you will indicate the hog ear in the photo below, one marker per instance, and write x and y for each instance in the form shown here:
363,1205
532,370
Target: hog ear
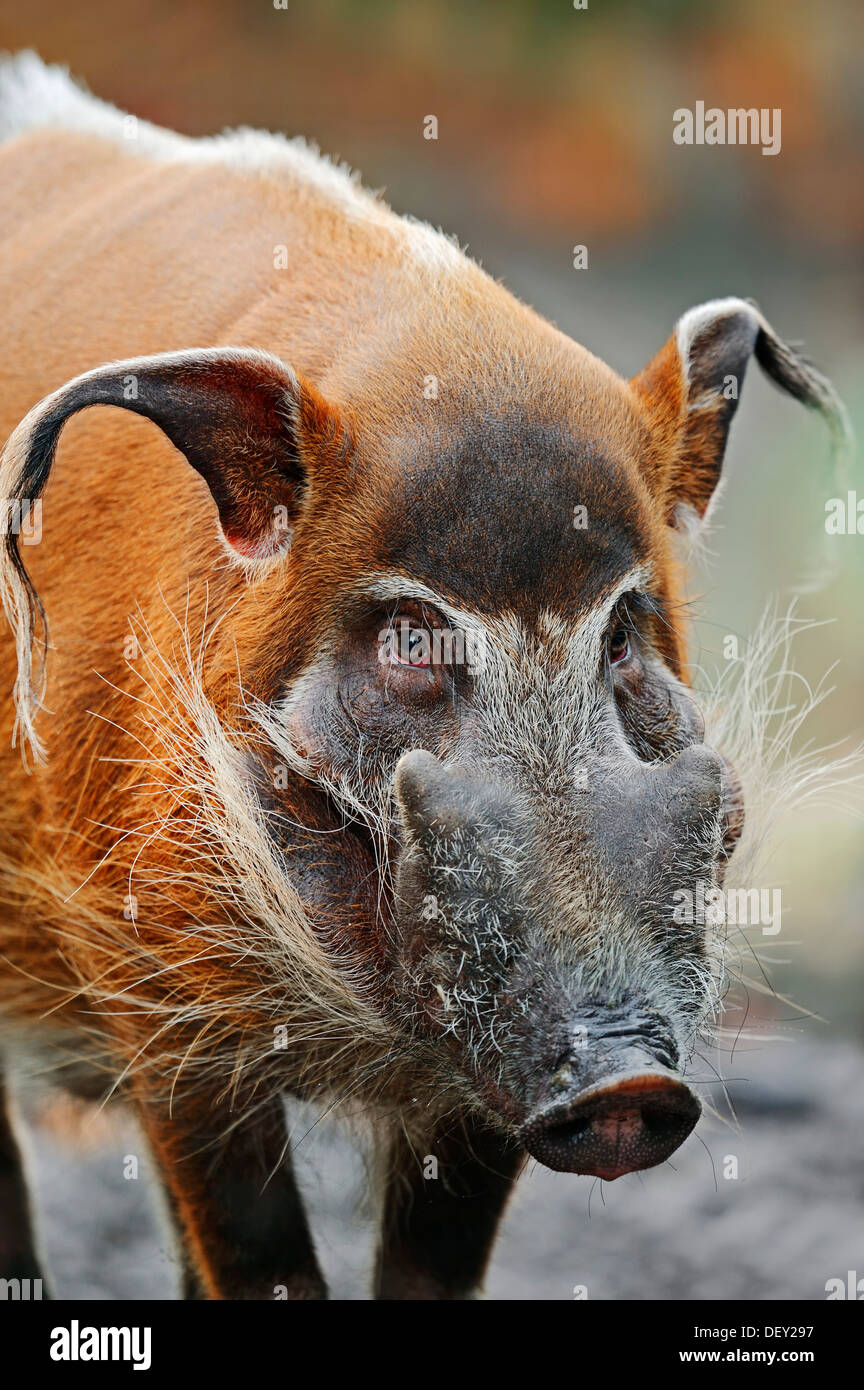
690,393
241,418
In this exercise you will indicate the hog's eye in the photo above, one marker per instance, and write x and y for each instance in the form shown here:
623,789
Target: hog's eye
408,646
618,646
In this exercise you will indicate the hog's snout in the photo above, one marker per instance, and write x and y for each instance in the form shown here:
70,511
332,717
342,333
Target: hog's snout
581,1061
630,1121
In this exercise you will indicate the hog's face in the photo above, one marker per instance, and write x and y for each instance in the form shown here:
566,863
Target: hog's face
498,696
469,653
539,793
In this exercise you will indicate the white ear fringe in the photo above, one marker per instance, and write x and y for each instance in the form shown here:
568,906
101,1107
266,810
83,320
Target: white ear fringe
17,605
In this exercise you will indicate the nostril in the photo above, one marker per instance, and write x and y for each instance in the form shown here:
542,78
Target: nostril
570,1129
659,1120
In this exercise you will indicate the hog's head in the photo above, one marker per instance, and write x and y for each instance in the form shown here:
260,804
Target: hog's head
464,640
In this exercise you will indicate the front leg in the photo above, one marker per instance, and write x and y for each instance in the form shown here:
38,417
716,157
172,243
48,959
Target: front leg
239,1216
18,1258
438,1230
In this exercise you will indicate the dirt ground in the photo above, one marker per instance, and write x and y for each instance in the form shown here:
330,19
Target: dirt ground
792,1219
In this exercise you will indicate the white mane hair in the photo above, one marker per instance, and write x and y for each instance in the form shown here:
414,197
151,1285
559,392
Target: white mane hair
36,96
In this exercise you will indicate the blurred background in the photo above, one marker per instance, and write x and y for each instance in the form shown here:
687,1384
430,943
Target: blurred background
555,131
